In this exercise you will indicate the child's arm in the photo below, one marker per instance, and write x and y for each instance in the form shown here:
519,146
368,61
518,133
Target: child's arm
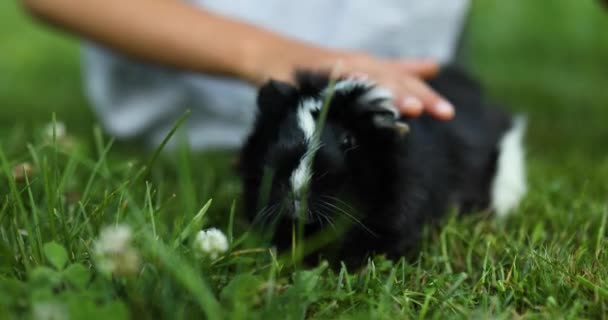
177,34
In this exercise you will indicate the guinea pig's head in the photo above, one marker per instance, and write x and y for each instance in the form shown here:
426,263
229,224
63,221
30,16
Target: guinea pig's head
294,170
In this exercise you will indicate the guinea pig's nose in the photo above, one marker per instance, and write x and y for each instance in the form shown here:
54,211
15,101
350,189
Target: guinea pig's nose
295,204
294,207
297,207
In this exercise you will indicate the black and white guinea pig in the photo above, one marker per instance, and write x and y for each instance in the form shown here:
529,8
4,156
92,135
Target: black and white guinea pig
390,174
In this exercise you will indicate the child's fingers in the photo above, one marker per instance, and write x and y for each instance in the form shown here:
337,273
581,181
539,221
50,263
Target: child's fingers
416,97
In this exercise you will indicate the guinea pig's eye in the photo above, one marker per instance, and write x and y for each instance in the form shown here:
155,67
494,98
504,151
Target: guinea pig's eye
347,141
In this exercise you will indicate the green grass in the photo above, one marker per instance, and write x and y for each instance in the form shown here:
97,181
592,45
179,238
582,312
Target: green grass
543,58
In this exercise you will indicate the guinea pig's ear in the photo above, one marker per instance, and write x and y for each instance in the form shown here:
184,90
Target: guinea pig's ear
275,95
391,125
377,118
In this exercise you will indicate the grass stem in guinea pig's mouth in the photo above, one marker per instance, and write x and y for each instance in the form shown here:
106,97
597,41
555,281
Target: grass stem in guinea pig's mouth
298,234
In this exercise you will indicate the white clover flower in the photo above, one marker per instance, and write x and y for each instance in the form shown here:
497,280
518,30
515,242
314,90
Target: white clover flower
211,242
114,238
113,252
60,131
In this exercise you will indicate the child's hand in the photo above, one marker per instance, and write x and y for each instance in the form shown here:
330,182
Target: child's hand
405,78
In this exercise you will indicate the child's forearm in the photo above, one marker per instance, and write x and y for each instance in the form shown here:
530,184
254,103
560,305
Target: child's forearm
173,33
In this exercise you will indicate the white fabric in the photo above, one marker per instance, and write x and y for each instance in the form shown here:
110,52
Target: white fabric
134,99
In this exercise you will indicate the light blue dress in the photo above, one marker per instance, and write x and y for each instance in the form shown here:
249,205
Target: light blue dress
138,100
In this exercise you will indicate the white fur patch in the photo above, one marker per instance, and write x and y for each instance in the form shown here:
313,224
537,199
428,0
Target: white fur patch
377,93
509,185
380,96
306,122
346,85
300,177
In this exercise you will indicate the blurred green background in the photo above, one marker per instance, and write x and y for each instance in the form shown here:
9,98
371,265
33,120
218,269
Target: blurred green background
39,74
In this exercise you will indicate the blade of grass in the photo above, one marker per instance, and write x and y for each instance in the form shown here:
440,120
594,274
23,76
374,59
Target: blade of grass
96,169
592,286
150,209
231,221
36,236
600,234
187,189
148,166
195,225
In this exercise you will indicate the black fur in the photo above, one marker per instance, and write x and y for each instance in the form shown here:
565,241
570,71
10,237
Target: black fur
392,184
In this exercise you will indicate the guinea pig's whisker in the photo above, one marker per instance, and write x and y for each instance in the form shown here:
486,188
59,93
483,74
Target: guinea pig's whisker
260,215
281,211
309,215
264,214
339,201
318,219
322,215
334,210
319,177
348,215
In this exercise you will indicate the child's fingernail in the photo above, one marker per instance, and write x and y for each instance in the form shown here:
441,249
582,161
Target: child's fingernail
444,108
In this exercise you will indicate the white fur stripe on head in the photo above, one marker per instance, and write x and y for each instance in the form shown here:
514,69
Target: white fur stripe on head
509,184
300,177
306,122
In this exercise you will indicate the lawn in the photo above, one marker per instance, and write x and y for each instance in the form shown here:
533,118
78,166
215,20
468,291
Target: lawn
546,59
